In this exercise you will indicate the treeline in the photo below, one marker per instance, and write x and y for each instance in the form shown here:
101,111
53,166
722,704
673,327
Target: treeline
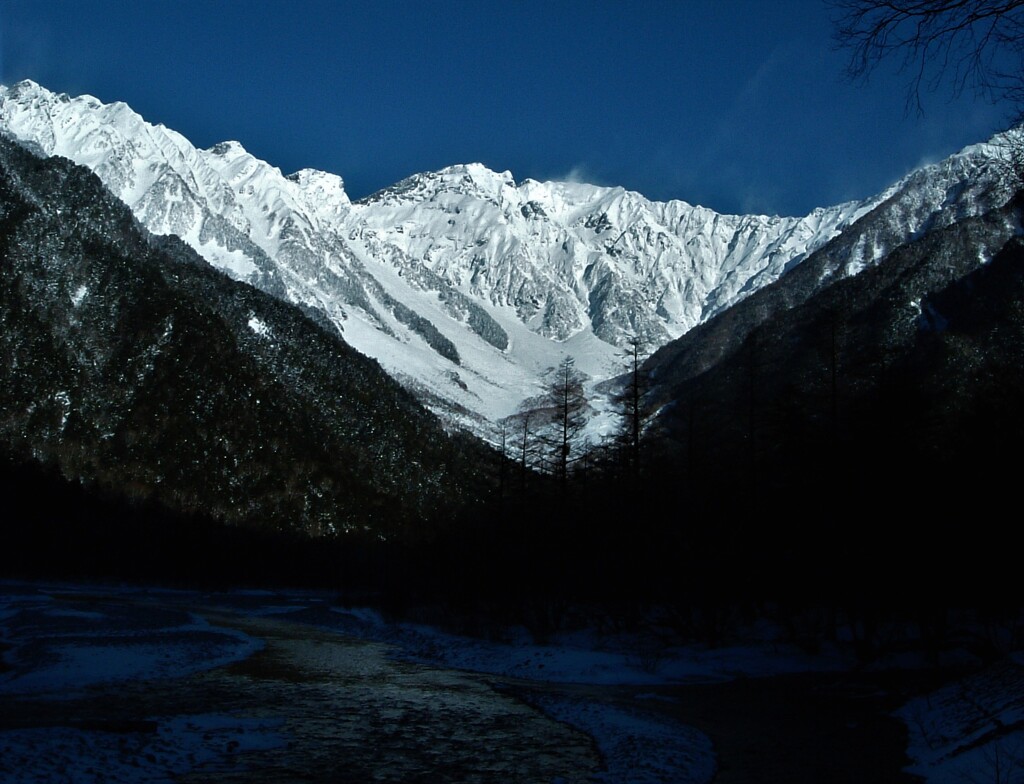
57,529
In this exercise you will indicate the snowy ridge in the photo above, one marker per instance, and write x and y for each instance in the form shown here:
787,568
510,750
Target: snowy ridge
568,257
463,283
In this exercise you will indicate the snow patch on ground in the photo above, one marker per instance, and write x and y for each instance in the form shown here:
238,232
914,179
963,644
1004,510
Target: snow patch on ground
971,731
79,295
59,650
259,327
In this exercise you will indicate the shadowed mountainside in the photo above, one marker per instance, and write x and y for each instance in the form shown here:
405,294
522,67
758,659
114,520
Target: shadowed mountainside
130,364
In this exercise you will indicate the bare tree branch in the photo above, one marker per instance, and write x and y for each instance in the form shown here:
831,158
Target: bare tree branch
971,44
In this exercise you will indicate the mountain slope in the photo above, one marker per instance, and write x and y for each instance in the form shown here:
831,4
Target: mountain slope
130,363
972,184
896,384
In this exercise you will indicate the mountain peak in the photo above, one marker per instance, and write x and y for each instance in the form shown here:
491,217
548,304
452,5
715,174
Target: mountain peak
28,91
26,87
228,149
320,184
480,173
314,176
469,179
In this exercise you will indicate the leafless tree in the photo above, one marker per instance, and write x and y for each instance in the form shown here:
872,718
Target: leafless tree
549,427
970,44
633,411
522,432
567,405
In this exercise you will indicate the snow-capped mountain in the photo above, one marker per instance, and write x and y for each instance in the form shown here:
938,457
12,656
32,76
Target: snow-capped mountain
462,283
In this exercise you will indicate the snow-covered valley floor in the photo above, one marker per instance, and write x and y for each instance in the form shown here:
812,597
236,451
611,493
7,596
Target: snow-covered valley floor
126,684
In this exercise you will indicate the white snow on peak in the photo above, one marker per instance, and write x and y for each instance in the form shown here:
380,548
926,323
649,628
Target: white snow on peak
324,192
313,178
228,149
480,174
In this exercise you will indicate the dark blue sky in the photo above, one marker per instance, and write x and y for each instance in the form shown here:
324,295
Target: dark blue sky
739,105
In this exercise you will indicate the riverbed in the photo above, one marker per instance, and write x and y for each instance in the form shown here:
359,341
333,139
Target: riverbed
111,684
